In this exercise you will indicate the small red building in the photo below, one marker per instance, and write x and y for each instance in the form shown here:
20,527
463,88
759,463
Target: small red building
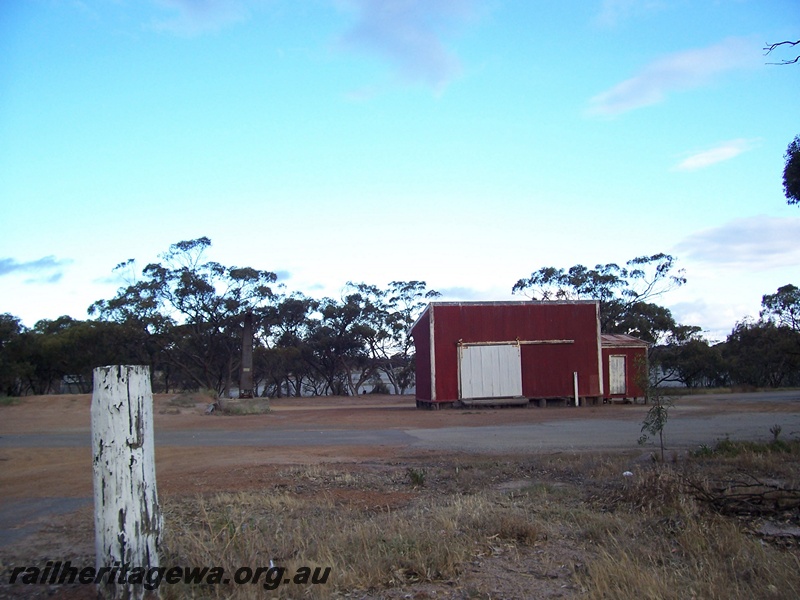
624,366
508,352
517,352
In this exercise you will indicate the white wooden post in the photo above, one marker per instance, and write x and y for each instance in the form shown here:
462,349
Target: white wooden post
575,386
127,516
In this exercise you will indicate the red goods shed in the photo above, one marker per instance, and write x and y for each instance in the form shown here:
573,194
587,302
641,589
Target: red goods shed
516,351
624,366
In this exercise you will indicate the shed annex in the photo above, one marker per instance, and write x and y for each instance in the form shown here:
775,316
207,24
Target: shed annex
624,366
508,352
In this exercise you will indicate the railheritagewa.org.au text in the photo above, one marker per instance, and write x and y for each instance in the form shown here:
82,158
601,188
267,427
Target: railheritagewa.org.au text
268,577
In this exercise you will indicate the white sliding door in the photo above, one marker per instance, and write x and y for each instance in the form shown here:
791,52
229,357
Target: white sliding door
491,371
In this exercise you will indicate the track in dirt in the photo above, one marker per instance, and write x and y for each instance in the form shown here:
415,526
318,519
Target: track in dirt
46,457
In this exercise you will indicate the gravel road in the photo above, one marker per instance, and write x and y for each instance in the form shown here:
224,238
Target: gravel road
691,424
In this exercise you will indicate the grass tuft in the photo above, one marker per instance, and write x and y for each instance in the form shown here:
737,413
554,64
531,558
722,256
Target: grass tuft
250,406
10,400
416,476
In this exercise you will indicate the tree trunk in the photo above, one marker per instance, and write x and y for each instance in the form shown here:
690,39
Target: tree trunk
228,378
127,515
390,375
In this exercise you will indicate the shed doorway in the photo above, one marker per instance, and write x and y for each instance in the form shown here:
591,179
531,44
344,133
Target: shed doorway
616,374
490,371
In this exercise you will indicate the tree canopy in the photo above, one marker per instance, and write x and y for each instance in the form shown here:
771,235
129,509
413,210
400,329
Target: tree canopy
783,307
791,172
183,316
192,311
624,293
763,354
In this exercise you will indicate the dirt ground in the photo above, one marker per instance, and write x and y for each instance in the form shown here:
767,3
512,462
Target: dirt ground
55,460
45,454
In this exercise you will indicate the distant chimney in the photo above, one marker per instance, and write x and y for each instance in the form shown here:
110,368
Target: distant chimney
246,372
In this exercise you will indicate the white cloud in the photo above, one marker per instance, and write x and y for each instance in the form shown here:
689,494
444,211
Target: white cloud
47,263
676,72
194,17
408,33
457,293
716,319
612,12
719,153
759,242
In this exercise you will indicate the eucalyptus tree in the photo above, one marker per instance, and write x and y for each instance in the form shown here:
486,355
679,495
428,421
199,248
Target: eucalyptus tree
407,300
337,340
14,366
763,354
60,351
625,293
387,317
791,172
283,356
693,362
192,309
783,307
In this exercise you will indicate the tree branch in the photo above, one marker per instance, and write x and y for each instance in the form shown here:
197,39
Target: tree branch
770,47
753,497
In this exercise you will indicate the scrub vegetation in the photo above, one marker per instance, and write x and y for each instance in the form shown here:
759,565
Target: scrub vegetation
563,525
183,317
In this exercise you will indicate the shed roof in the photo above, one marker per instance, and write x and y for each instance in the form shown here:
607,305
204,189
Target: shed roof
621,340
496,303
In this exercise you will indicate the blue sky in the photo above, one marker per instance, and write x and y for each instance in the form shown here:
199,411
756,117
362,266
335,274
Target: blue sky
462,142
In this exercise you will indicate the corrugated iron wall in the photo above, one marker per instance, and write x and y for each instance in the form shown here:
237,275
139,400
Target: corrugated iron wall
422,362
635,358
547,368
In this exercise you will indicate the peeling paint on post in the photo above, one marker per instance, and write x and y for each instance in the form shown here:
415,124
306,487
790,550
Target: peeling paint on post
127,516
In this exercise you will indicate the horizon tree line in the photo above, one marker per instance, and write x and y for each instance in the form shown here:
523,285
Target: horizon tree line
183,317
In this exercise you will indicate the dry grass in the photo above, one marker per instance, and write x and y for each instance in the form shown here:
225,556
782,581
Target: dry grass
696,557
186,400
368,548
192,397
674,544
245,406
554,526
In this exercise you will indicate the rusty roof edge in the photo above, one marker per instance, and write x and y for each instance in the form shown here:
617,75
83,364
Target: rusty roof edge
619,340
431,305
511,302
418,319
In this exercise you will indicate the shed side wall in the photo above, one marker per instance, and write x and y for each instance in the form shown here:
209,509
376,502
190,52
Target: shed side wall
422,360
547,369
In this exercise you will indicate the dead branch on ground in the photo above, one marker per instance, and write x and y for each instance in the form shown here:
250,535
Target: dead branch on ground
750,496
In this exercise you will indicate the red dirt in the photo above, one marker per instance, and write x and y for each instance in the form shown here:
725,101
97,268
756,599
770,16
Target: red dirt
67,471
32,474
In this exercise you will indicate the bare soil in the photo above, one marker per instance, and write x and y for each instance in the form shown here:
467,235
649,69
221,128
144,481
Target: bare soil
46,492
